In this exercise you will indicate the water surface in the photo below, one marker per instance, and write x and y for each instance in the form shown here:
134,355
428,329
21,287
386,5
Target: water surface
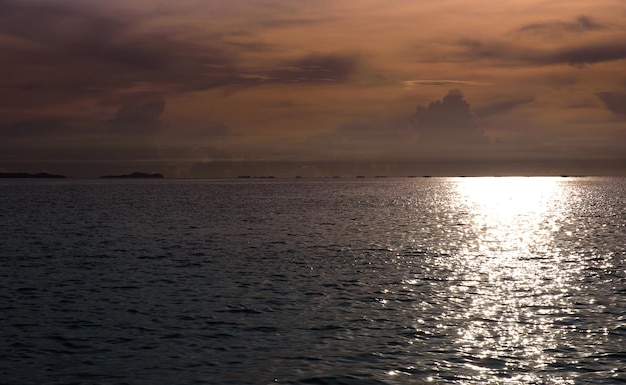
343,281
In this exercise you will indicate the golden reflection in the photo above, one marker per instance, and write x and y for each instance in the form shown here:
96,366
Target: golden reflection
507,280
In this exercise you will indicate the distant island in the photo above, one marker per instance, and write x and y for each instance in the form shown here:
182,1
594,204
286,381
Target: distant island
27,175
136,175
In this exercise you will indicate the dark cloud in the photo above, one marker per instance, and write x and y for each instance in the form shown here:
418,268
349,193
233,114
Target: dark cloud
614,102
46,22
586,54
54,53
501,107
138,119
581,24
61,52
589,53
448,121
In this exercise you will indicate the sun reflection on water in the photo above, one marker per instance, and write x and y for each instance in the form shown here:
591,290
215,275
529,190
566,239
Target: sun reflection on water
508,282
512,214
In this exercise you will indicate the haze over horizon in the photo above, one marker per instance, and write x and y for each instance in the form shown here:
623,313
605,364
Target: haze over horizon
275,87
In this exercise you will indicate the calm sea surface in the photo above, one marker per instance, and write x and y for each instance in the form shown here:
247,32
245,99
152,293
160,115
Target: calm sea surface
337,281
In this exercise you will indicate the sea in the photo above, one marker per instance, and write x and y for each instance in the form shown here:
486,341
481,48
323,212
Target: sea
340,281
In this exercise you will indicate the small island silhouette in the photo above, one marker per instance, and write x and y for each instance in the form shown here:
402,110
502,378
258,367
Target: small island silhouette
27,175
135,175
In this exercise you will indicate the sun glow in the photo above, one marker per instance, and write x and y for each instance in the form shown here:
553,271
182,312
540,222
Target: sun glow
506,199
513,214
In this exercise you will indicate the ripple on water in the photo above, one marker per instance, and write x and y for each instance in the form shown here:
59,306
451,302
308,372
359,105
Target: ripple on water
315,282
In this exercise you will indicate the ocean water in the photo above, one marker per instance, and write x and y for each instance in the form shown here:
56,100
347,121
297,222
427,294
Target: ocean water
335,281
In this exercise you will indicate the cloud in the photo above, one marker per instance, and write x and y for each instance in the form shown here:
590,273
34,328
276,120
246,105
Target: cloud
580,25
511,53
61,53
501,107
448,121
586,54
138,119
76,52
614,102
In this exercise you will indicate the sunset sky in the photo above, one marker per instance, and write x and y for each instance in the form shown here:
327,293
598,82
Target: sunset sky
197,88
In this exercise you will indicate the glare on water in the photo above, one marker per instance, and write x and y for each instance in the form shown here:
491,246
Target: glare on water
512,217
508,280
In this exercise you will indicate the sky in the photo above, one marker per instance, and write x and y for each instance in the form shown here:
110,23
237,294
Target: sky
214,88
